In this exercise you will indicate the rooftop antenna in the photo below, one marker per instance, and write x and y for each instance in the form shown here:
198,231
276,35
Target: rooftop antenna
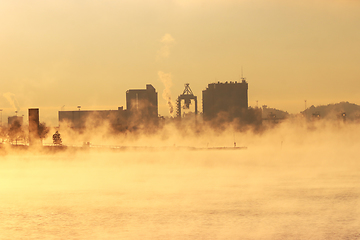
242,75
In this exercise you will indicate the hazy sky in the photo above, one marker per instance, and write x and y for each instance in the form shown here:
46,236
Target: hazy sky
79,52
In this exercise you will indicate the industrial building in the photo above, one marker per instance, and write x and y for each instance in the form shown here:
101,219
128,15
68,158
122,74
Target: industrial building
13,119
142,108
142,103
225,101
229,99
81,119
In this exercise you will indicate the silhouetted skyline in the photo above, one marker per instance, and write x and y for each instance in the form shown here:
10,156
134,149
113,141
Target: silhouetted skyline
63,54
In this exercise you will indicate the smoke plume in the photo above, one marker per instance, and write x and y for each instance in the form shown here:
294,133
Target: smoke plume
12,100
167,42
165,78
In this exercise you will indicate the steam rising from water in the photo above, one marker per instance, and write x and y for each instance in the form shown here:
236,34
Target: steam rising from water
295,181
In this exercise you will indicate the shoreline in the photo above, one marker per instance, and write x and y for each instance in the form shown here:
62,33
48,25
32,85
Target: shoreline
64,148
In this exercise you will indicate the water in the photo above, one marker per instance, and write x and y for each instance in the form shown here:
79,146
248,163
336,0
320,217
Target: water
247,194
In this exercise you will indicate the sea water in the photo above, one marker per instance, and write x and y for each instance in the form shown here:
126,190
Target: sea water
257,193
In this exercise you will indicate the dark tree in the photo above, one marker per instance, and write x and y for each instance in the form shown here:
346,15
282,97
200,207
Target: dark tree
43,131
3,133
16,132
57,138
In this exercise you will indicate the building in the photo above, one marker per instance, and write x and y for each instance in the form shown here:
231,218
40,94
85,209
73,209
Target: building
229,99
91,118
34,126
142,103
13,119
142,108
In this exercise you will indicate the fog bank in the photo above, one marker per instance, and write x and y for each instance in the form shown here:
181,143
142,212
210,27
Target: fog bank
294,181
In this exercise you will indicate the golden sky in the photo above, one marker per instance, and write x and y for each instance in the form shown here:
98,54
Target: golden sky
57,53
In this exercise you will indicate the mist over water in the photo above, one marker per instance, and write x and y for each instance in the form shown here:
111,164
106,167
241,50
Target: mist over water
294,181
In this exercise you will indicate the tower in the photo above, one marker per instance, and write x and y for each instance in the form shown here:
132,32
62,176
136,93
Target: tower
187,96
34,126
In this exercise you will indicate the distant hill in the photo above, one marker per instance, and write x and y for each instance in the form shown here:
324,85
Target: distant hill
334,111
268,112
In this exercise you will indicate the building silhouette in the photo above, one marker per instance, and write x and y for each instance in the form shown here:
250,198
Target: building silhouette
13,119
34,126
142,110
142,103
229,99
91,118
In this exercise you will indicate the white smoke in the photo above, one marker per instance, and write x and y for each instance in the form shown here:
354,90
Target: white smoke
167,42
10,97
165,78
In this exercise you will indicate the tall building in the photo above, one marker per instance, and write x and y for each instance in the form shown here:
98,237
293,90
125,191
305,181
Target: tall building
34,126
142,103
229,99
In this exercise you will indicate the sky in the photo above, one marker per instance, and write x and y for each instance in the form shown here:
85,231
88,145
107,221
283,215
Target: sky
56,55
